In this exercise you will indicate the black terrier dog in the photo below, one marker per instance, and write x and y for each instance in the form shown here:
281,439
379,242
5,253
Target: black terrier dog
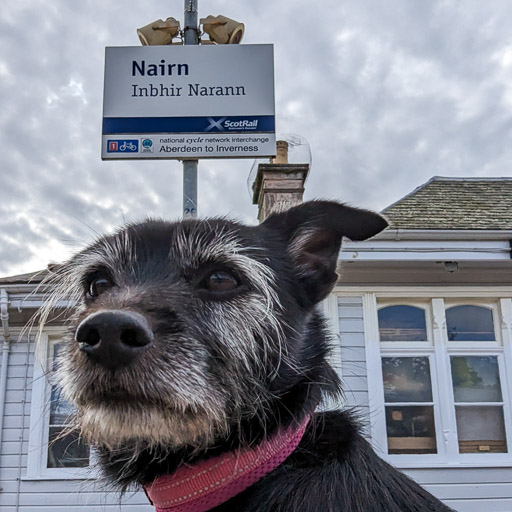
196,358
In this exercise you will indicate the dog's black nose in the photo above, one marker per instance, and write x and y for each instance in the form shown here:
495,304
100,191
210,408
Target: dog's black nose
114,338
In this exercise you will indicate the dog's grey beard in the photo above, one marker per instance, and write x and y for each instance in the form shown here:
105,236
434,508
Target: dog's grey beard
149,426
174,404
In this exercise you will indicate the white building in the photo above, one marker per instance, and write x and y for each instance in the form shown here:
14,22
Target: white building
424,316
423,321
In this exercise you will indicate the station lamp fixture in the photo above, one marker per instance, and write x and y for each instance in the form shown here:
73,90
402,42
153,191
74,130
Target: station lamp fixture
223,30
159,32
220,29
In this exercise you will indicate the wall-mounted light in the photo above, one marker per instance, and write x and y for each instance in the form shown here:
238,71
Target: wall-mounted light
223,30
159,32
451,266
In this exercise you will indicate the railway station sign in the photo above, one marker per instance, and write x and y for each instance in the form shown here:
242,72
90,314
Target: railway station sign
179,102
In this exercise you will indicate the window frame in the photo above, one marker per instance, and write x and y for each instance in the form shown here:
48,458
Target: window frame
409,349
435,398
505,395
40,417
444,417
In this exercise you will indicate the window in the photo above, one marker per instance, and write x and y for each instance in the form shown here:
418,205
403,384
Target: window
442,379
478,404
409,405
65,448
55,450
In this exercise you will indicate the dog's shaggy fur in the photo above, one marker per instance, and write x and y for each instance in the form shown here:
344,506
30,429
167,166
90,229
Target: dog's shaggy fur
234,349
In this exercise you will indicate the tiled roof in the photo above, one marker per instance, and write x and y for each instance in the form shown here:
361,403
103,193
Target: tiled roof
455,203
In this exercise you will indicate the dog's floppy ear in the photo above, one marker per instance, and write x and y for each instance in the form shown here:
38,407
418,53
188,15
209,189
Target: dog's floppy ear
313,232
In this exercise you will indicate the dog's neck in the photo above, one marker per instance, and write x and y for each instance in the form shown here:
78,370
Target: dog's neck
207,484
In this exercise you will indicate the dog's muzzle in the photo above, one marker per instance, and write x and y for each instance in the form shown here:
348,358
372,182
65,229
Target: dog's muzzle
114,339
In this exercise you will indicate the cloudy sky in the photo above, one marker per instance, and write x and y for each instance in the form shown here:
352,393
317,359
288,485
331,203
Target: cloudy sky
387,94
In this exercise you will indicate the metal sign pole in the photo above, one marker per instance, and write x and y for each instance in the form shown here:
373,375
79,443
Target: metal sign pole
191,36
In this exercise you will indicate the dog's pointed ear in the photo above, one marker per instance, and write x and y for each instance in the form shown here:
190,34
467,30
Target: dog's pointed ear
313,232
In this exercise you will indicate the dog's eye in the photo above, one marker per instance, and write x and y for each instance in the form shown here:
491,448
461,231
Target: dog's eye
220,281
98,285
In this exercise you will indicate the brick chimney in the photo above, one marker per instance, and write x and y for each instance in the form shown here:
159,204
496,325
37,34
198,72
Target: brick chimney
279,185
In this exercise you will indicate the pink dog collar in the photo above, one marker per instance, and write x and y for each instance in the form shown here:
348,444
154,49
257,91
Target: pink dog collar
201,487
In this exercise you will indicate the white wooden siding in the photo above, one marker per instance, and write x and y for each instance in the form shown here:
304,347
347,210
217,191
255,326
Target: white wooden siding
353,356
19,494
469,489
464,489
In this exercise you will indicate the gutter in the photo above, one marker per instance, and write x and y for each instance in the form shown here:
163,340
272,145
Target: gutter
4,317
444,234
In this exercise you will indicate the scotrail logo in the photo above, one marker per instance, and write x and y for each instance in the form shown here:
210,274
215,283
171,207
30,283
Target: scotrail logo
244,124
122,146
225,125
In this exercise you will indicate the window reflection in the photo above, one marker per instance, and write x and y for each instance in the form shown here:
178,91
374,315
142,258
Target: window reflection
65,448
402,323
469,323
406,379
476,379
61,410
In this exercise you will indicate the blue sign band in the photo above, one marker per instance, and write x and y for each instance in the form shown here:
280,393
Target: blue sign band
235,124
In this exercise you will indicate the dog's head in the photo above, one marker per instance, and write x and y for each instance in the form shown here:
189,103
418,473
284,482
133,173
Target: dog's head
186,331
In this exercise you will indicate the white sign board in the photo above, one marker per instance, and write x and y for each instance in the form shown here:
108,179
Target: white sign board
190,102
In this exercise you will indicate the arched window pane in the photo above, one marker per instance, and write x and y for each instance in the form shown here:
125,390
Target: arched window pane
469,323
402,323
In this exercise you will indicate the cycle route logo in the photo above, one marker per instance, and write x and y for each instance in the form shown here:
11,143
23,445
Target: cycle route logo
123,146
147,146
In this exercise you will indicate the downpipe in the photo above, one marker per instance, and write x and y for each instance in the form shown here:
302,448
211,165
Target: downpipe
4,317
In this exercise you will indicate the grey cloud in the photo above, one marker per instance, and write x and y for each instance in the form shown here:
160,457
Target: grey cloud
387,94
